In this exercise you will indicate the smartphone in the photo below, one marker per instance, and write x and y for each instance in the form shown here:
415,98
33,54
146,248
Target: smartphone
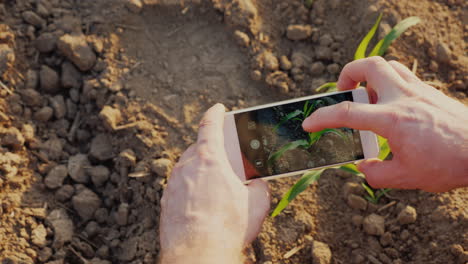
268,141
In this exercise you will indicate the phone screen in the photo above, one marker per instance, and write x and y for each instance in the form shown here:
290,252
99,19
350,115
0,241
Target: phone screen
273,142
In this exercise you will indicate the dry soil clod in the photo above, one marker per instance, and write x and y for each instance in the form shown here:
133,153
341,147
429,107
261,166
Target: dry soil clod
77,166
7,57
49,80
298,32
357,202
407,216
56,176
46,42
321,253
86,202
134,6
111,117
161,167
77,50
101,148
62,226
374,224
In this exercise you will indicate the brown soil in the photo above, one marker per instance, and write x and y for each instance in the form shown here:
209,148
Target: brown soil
91,123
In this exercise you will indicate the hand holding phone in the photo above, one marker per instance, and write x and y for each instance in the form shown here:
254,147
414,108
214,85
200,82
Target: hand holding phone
426,130
207,214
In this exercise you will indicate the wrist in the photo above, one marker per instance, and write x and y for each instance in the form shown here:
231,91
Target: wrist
202,254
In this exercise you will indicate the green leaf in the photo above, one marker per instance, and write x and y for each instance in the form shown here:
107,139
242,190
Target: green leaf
369,190
306,106
384,148
297,188
308,3
383,44
380,193
352,169
370,199
311,108
315,136
361,50
327,87
287,118
336,132
289,146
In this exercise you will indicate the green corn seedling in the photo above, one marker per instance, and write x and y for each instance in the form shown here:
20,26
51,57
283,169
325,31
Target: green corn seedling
312,138
379,49
372,195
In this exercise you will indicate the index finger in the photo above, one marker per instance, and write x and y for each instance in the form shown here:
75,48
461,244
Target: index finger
378,73
376,118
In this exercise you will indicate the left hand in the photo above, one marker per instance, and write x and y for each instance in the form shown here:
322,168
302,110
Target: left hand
208,215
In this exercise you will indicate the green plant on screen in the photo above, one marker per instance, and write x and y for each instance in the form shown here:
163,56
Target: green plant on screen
312,138
379,49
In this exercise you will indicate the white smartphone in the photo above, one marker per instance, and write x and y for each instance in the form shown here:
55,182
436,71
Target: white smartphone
268,141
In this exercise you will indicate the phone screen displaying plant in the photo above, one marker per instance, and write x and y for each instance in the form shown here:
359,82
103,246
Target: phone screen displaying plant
273,142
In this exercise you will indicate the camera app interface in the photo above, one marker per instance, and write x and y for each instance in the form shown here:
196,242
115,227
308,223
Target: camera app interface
272,140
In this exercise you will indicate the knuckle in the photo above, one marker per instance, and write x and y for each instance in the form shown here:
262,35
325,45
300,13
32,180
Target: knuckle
205,154
394,118
205,122
344,110
393,121
376,61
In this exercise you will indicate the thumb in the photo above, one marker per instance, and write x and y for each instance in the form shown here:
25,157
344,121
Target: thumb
383,174
259,205
260,192
211,126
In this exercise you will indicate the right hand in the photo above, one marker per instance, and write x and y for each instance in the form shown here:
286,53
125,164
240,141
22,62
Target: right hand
426,130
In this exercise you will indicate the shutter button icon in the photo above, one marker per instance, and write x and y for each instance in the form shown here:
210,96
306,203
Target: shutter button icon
254,144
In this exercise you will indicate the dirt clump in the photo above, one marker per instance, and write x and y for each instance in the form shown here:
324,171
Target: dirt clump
7,57
111,117
46,42
374,224
161,167
49,80
101,148
134,5
56,176
321,253
299,32
357,202
44,114
407,216
77,50
62,226
85,202
77,166
99,175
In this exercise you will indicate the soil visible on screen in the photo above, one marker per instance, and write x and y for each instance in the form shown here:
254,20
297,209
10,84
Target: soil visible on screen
98,99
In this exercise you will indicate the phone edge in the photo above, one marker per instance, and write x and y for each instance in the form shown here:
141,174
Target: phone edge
232,146
294,173
290,101
369,142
